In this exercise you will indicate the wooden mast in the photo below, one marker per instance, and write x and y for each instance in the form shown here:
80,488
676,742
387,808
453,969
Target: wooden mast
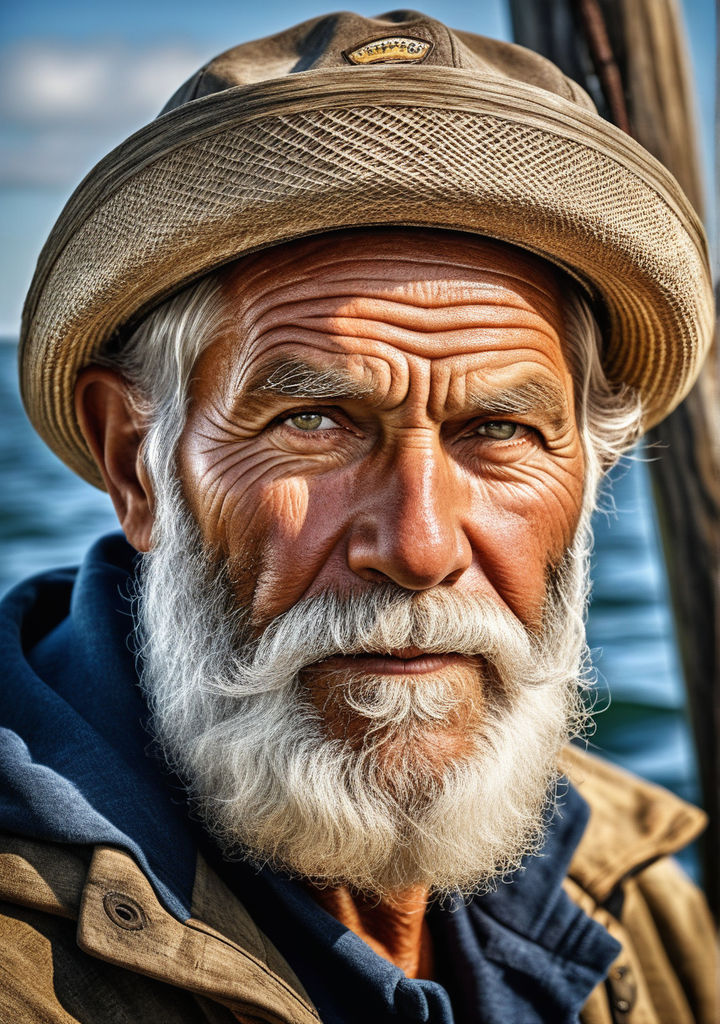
631,57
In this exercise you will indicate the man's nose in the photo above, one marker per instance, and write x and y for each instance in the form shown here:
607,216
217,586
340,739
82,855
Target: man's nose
409,529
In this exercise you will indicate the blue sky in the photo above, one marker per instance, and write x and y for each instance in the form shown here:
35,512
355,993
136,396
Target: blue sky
78,77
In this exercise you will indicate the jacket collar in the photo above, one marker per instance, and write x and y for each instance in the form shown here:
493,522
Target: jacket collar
219,954
632,823
524,951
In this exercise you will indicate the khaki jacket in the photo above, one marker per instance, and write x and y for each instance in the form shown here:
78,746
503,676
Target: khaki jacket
83,937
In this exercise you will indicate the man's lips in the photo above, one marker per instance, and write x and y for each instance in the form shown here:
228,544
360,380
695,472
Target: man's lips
402,661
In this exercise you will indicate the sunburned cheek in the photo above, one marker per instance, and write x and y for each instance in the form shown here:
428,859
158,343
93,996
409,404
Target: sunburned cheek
226,483
517,534
549,525
285,504
306,521
549,502
287,560
278,511
514,560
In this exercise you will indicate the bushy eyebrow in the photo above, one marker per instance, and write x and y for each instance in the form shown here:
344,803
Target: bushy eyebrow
294,378
521,399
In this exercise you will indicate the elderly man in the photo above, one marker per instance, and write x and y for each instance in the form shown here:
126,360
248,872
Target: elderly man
349,335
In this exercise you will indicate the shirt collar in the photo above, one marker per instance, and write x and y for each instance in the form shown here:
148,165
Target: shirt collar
524,951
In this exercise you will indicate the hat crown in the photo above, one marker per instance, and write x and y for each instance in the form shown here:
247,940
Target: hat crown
346,122
347,40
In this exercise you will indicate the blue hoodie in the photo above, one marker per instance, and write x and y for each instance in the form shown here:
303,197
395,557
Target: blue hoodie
76,766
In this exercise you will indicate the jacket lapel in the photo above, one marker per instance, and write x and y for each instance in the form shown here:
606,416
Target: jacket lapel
632,823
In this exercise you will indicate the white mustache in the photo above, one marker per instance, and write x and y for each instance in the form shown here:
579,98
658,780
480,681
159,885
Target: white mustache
380,621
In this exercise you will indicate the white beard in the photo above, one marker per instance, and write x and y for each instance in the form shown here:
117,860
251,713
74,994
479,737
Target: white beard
234,718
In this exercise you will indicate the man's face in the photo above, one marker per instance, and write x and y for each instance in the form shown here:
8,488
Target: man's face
361,620
386,408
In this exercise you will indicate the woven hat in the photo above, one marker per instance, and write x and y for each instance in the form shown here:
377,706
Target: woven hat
346,122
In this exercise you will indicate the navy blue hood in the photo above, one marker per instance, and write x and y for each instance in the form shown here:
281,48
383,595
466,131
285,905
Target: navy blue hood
74,764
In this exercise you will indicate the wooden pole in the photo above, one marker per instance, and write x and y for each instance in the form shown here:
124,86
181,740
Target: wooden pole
605,62
642,42
685,470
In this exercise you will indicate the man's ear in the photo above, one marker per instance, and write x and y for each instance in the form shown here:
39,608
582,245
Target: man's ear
114,429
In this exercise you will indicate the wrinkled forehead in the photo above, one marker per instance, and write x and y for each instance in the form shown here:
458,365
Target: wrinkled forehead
424,267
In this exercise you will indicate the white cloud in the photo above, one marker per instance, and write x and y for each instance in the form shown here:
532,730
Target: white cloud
92,82
42,84
63,106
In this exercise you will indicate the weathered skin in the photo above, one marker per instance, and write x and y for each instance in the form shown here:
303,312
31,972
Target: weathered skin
429,469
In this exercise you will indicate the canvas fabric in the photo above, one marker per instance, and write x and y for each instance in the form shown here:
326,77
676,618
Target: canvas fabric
68,957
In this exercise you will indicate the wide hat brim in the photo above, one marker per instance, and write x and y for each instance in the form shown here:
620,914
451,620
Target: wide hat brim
253,166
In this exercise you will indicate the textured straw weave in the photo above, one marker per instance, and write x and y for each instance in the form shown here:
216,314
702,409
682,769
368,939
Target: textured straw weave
252,166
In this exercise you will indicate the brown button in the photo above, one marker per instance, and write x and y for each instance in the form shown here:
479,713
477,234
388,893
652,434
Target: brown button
623,990
124,911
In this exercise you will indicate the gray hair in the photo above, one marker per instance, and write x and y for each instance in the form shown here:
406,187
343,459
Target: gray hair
158,360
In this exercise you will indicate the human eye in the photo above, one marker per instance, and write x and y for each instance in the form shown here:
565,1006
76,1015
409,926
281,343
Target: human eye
499,430
310,422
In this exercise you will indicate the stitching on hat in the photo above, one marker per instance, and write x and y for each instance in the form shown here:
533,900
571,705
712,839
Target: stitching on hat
643,165
457,63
